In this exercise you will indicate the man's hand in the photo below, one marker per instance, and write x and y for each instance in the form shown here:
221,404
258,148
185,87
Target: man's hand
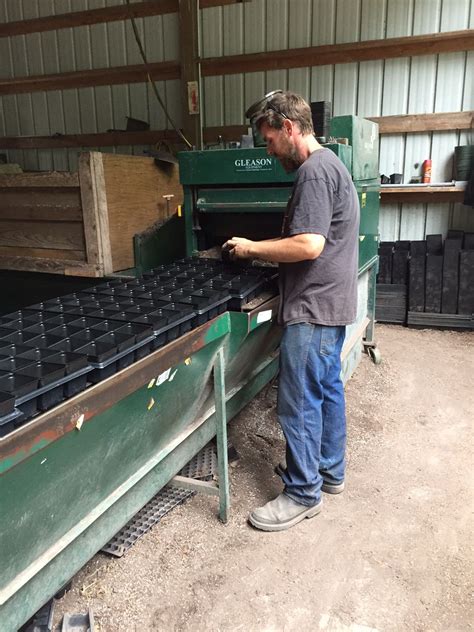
239,248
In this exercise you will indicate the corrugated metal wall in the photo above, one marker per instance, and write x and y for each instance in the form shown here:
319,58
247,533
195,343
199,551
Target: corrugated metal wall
434,83
85,110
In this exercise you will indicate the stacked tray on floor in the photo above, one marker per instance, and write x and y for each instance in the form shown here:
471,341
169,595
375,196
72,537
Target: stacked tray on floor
55,349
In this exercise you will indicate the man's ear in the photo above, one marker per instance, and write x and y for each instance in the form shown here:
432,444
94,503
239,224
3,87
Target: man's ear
288,126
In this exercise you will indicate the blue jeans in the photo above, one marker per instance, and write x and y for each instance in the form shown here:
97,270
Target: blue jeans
311,409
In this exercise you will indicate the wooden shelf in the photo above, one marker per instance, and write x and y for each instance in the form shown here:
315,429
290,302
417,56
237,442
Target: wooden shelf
407,193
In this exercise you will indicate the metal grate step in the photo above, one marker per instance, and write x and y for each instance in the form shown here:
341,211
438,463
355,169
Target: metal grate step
202,466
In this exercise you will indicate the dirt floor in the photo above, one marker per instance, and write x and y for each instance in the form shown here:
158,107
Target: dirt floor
394,552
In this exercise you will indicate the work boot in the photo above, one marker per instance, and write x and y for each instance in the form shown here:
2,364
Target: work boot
282,513
326,487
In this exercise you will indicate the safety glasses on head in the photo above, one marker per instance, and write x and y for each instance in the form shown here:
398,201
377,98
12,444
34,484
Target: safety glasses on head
270,106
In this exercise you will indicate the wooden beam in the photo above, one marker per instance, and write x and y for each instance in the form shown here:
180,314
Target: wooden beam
426,195
95,212
406,123
190,71
410,123
115,139
315,56
99,16
35,212
431,44
50,179
160,71
105,139
43,253
52,266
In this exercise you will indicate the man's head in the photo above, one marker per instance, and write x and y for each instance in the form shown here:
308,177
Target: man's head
286,125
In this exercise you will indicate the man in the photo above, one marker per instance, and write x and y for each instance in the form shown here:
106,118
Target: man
318,255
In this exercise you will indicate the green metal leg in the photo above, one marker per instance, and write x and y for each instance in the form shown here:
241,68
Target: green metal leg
369,332
221,436
221,439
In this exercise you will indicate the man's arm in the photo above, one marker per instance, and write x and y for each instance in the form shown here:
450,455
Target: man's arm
303,247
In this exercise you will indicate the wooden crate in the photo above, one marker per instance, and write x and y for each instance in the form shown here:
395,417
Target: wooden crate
83,223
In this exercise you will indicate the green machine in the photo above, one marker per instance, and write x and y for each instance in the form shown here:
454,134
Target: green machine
74,475
244,192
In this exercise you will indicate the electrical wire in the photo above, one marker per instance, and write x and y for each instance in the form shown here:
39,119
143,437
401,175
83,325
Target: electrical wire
152,83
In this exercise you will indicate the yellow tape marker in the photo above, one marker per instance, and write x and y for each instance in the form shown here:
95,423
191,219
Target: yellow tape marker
188,361
151,383
180,212
151,403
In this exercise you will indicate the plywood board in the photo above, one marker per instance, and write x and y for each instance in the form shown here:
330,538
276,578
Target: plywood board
50,266
134,189
40,180
43,253
42,234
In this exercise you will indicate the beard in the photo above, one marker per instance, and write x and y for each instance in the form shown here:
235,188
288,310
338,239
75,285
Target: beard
290,160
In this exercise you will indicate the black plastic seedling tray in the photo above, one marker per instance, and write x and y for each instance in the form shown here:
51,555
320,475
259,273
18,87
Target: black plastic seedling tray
12,325
10,421
49,395
20,314
48,376
171,322
207,304
12,349
46,373
7,404
72,362
13,363
106,364
20,386
183,319
50,341
48,318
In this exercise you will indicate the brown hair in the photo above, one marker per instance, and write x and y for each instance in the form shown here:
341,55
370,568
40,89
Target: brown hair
285,105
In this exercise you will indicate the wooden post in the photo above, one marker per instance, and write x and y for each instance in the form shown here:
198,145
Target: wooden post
94,209
190,71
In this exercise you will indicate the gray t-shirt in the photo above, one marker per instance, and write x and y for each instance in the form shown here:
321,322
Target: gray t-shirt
323,201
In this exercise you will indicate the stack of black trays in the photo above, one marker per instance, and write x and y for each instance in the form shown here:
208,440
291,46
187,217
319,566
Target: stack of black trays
432,280
321,112
391,295
55,349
